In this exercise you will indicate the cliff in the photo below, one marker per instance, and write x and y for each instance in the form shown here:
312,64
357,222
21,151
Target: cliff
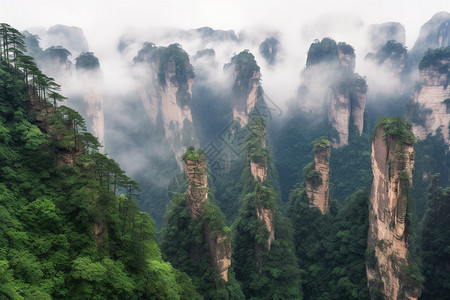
347,101
390,212
90,76
167,92
246,84
317,175
331,86
392,56
219,244
257,157
432,107
435,33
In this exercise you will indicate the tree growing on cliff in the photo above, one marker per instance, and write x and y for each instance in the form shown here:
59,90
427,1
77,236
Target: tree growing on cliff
435,240
186,238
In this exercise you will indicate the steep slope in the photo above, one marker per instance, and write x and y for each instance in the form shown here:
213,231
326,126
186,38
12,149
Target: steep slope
317,175
195,238
431,110
263,253
166,93
435,238
219,243
433,34
89,74
65,232
390,213
246,86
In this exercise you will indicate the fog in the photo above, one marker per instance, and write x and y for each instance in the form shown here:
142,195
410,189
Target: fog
116,30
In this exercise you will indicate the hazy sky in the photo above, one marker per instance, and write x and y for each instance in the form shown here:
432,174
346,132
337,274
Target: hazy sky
110,16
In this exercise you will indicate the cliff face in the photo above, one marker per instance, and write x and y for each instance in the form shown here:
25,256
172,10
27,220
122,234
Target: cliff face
392,165
258,169
91,86
344,104
432,104
219,244
433,34
330,85
167,94
246,77
319,191
197,192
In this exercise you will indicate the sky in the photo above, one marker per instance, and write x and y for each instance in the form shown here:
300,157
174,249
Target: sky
106,17
297,24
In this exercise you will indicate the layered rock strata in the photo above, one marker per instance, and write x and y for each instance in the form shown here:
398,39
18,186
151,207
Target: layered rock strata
319,192
219,244
389,227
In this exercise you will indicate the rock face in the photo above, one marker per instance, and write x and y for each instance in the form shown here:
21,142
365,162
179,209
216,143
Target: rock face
89,74
167,93
319,193
257,158
219,244
432,101
344,104
330,85
197,192
433,34
246,77
388,238
380,34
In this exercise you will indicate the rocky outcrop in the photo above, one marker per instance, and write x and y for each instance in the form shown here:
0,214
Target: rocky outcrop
432,108
246,85
90,77
330,85
257,157
380,34
318,182
345,103
389,226
219,244
433,34
167,93
197,191
391,57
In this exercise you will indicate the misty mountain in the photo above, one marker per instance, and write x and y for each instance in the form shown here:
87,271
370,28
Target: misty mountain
261,163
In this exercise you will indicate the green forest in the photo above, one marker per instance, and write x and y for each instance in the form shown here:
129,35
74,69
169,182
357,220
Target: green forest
71,226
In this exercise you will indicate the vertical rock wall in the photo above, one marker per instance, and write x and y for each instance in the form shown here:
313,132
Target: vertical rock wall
219,244
392,165
432,102
319,194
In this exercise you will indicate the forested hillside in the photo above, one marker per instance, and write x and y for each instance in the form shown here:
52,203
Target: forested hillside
338,191
69,225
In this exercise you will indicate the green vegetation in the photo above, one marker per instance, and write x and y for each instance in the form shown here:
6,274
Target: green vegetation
311,175
346,49
253,141
269,49
173,65
185,242
321,143
87,61
435,238
393,50
244,65
69,225
264,273
193,154
331,248
397,128
325,51
434,58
